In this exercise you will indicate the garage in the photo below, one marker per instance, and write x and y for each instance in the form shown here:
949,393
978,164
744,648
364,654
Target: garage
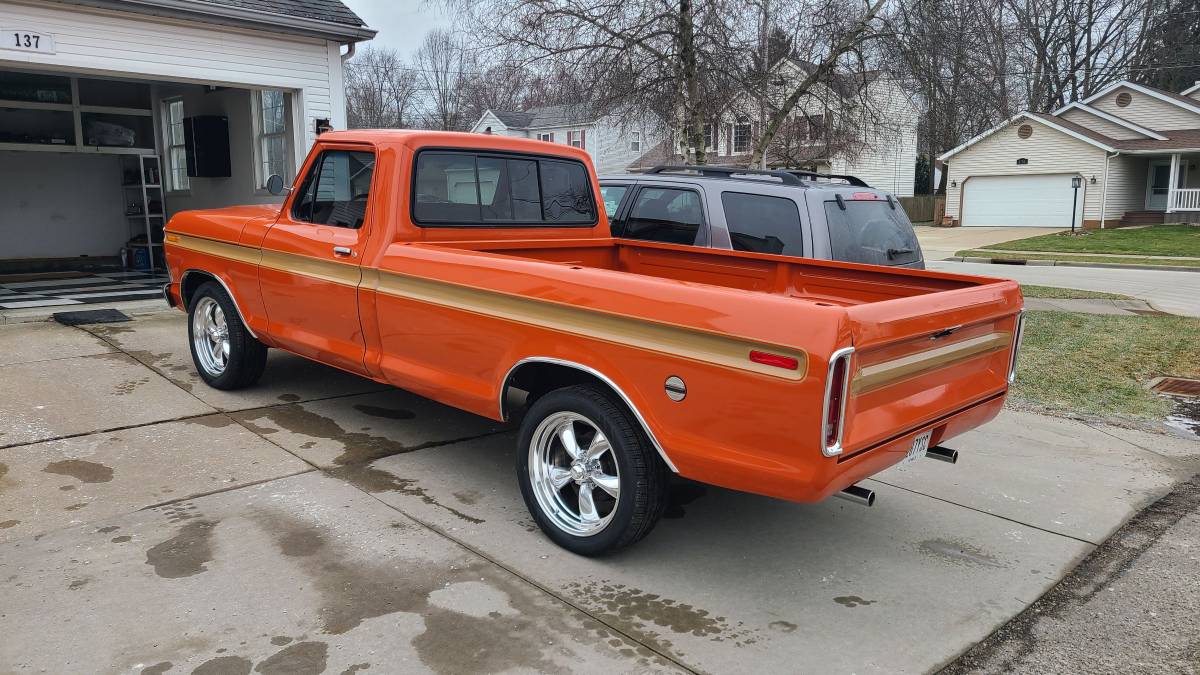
1020,201
114,118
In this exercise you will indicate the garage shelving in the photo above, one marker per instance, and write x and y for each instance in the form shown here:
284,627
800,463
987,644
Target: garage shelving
55,113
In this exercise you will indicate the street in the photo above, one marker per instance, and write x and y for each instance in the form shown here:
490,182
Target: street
321,522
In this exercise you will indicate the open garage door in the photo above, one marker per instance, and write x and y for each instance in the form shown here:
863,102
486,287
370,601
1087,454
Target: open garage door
1020,201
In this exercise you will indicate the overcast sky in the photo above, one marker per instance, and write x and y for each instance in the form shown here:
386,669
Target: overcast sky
402,24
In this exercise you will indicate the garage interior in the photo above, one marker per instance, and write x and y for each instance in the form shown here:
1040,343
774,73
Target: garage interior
91,168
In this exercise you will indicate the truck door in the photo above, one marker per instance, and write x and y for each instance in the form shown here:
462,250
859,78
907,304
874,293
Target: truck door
311,259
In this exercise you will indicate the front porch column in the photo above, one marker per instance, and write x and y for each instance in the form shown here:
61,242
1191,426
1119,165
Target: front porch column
1172,185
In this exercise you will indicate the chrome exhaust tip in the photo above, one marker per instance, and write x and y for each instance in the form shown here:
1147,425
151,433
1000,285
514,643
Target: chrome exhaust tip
858,495
942,454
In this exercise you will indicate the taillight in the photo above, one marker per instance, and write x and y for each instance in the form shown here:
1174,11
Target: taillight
834,413
1016,347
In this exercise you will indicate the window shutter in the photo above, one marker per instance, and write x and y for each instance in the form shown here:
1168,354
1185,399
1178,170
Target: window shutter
582,139
551,136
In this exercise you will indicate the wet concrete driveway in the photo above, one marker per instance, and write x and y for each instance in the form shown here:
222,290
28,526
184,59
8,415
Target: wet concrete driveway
322,523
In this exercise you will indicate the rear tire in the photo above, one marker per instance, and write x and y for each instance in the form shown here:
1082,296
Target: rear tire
226,355
590,477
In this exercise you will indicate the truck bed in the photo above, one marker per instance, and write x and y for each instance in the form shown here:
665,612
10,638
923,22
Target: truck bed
822,282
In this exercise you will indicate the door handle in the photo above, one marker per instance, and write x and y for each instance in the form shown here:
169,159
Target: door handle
341,250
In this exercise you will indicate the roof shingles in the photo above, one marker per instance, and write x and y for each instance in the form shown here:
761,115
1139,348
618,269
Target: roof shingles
333,11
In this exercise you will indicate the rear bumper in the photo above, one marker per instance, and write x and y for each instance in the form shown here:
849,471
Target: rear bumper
841,472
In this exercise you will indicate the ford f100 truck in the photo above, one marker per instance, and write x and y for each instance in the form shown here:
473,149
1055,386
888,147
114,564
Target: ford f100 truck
479,271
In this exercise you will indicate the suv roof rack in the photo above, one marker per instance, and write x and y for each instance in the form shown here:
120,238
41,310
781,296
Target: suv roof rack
730,172
813,175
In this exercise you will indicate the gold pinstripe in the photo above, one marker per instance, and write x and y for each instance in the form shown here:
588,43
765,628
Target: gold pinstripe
636,332
875,376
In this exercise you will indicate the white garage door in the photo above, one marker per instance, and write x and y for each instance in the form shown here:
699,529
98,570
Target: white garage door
1020,201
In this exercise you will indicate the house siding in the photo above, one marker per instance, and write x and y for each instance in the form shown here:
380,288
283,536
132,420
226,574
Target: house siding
118,44
1110,129
1147,111
1049,152
1126,186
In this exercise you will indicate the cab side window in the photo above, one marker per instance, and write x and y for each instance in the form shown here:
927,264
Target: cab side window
336,189
668,215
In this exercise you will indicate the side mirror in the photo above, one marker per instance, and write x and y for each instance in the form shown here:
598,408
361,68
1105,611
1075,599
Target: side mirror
276,186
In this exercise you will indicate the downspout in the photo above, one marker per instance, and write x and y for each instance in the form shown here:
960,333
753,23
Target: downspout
350,47
1104,189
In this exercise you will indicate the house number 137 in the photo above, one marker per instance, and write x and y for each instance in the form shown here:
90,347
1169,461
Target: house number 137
27,40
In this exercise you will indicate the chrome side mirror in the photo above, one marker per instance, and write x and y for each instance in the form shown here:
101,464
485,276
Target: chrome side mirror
276,186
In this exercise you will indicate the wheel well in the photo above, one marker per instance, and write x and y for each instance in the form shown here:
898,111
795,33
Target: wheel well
192,280
539,378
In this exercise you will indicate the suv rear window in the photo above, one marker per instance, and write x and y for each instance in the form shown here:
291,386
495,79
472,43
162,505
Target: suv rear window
872,232
466,189
763,224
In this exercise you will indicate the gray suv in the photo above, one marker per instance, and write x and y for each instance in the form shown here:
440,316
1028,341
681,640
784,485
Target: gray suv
795,213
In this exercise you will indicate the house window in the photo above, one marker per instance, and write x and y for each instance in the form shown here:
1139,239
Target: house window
816,127
707,131
177,178
549,138
635,141
741,137
575,139
272,135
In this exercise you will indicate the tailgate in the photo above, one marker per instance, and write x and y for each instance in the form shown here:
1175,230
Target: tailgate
920,358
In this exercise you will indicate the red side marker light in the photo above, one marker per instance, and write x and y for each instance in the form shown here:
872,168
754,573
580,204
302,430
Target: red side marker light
776,360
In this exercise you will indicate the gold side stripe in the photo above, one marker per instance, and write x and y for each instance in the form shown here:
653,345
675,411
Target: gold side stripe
640,333
635,332
883,374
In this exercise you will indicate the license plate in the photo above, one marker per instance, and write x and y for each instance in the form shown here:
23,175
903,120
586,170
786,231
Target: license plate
26,40
920,446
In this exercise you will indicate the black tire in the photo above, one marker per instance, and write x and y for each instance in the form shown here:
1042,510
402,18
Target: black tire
247,356
642,473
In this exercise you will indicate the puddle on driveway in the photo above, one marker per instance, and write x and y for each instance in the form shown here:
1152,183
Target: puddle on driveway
81,469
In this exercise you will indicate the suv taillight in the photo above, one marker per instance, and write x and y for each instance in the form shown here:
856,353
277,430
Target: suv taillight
833,416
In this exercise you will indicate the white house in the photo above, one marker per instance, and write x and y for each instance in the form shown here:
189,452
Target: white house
115,114
864,125
613,143
1126,155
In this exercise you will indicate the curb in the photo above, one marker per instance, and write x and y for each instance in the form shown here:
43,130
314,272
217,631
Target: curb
1069,263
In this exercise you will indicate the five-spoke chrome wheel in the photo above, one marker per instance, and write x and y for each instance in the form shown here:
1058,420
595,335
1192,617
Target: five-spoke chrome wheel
574,474
210,336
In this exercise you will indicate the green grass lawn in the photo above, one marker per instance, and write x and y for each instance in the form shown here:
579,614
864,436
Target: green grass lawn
1099,365
1072,257
1055,293
1177,240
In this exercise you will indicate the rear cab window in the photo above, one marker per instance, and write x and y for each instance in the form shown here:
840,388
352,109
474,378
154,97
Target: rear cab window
469,189
874,231
763,223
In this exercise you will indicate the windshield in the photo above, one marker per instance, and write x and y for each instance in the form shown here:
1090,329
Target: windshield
872,232
612,195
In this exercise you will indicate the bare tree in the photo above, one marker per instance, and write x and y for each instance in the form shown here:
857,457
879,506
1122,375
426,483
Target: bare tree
443,67
381,90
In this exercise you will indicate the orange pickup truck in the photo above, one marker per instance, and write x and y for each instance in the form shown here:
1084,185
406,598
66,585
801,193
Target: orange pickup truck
478,271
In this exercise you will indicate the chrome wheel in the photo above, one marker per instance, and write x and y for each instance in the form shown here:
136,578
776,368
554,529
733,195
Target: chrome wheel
574,474
210,336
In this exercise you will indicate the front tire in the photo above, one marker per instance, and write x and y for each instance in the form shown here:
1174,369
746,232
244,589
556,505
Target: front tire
590,478
226,355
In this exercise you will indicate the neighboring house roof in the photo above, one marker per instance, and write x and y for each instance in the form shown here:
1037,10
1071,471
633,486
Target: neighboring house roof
1191,89
1173,140
1121,121
329,19
842,84
545,116
1161,94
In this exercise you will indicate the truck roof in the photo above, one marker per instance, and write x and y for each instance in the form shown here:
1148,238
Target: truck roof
415,139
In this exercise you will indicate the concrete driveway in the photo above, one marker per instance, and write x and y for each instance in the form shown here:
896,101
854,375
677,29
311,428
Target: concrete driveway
322,523
939,243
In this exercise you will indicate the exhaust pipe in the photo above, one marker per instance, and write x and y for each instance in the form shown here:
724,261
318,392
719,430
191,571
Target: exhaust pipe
943,454
858,495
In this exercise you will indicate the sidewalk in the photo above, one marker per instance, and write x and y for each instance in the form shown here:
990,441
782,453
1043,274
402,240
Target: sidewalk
1092,306
1088,254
